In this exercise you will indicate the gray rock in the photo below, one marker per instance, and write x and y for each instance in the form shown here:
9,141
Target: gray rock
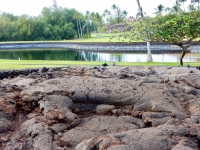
43,69
37,128
5,125
153,138
104,109
29,98
19,145
96,126
163,137
182,147
57,107
57,128
140,123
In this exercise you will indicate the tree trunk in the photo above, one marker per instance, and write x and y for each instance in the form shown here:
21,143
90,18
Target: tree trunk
87,30
140,9
94,28
149,56
78,30
182,55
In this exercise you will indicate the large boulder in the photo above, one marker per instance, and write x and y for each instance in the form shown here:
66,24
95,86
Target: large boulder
96,126
145,139
57,107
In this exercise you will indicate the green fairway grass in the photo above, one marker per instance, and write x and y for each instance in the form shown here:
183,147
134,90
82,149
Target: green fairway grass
24,64
104,38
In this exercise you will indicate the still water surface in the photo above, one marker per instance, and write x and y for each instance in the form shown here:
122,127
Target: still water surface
63,54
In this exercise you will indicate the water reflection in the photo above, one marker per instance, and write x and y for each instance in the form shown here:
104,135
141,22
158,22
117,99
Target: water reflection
63,54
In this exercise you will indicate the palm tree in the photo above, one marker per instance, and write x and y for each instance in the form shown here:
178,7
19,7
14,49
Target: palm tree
114,8
138,14
93,19
79,18
119,15
106,14
191,7
183,1
175,9
168,10
76,17
98,19
159,10
177,6
125,13
87,20
140,9
149,56
55,6
196,1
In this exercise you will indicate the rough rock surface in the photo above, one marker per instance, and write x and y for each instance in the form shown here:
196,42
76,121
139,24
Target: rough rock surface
98,108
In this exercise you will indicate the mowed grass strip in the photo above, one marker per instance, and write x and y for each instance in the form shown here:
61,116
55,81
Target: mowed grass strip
104,38
6,64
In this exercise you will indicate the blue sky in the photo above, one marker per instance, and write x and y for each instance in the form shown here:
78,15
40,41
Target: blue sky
34,7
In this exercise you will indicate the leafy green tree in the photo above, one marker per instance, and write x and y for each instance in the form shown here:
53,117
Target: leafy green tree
68,31
4,28
24,27
180,30
54,23
10,16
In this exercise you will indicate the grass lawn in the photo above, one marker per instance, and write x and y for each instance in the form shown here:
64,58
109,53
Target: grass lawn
93,38
23,64
105,37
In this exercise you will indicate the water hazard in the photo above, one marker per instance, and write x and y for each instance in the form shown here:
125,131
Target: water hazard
81,55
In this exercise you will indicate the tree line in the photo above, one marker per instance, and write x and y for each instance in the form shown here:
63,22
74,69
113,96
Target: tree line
57,23
178,7
54,23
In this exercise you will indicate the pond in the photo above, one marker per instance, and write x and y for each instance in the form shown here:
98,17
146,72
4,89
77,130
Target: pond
67,54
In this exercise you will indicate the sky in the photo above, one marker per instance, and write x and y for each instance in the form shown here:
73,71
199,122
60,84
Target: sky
34,7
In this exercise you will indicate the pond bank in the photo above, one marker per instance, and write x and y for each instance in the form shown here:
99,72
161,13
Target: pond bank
138,47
